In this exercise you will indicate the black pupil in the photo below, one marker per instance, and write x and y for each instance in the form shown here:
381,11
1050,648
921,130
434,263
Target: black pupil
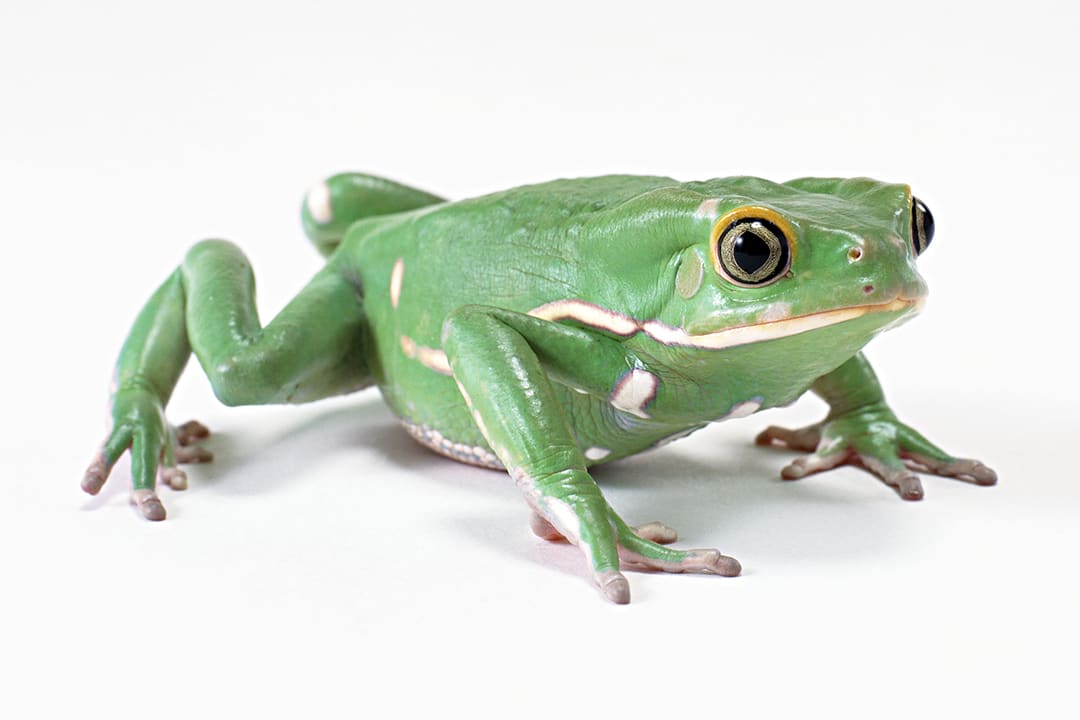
927,222
750,251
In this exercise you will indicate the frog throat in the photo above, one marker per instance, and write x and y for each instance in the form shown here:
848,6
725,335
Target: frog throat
604,319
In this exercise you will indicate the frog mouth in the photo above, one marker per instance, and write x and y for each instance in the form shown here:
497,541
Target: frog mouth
775,329
616,323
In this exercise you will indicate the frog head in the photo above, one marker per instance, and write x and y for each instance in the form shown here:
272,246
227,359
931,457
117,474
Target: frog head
833,257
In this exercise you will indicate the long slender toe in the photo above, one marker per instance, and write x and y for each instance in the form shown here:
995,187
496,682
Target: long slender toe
657,532
175,478
726,565
805,439
614,586
192,454
981,474
911,488
94,479
148,504
191,431
813,463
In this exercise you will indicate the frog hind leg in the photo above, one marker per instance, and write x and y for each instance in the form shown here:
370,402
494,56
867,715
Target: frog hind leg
503,362
314,348
333,205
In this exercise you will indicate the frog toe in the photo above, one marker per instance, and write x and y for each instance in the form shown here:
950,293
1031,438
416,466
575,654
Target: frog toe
657,532
186,448
705,560
896,475
191,432
614,586
173,477
642,553
966,469
813,463
148,503
101,466
193,454
95,476
804,439
979,473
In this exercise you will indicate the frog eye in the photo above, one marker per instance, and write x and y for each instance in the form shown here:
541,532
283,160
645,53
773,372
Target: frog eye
922,226
752,246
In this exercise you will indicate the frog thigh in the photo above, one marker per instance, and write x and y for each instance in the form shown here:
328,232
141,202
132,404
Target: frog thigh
313,349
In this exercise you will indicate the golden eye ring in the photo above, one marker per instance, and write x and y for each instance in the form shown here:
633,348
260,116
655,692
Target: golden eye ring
752,246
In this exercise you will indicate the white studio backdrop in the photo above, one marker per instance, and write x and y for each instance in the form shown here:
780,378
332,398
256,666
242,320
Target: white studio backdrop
326,566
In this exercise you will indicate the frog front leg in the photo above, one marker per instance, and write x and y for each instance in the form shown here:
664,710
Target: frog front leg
504,363
862,430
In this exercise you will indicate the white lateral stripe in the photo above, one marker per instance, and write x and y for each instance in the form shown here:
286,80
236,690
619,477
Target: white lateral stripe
587,313
604,319
746,334
637,388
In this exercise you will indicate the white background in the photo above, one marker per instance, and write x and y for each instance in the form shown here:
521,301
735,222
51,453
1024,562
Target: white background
326,566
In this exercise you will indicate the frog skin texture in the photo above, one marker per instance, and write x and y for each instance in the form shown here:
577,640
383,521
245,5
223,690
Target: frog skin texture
554,327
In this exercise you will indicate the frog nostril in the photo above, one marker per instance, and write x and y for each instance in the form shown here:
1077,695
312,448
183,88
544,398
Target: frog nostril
854,254
867,289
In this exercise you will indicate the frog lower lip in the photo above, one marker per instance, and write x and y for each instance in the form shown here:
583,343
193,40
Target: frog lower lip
772,330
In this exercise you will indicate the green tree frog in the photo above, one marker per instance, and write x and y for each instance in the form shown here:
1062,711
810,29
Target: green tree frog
553,327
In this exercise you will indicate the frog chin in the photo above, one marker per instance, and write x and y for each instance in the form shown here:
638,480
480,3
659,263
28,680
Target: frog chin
893,312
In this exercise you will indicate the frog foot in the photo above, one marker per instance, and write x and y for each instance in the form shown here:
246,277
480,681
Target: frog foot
876,441
180,447
642,548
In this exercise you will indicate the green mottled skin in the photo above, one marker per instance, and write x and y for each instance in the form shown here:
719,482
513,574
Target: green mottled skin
430,300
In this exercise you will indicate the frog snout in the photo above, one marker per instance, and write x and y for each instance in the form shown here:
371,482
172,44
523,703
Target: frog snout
874,294
884,272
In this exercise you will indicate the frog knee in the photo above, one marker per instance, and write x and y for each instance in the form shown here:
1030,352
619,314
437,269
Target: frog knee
215,251
240,380
332,205
227,380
